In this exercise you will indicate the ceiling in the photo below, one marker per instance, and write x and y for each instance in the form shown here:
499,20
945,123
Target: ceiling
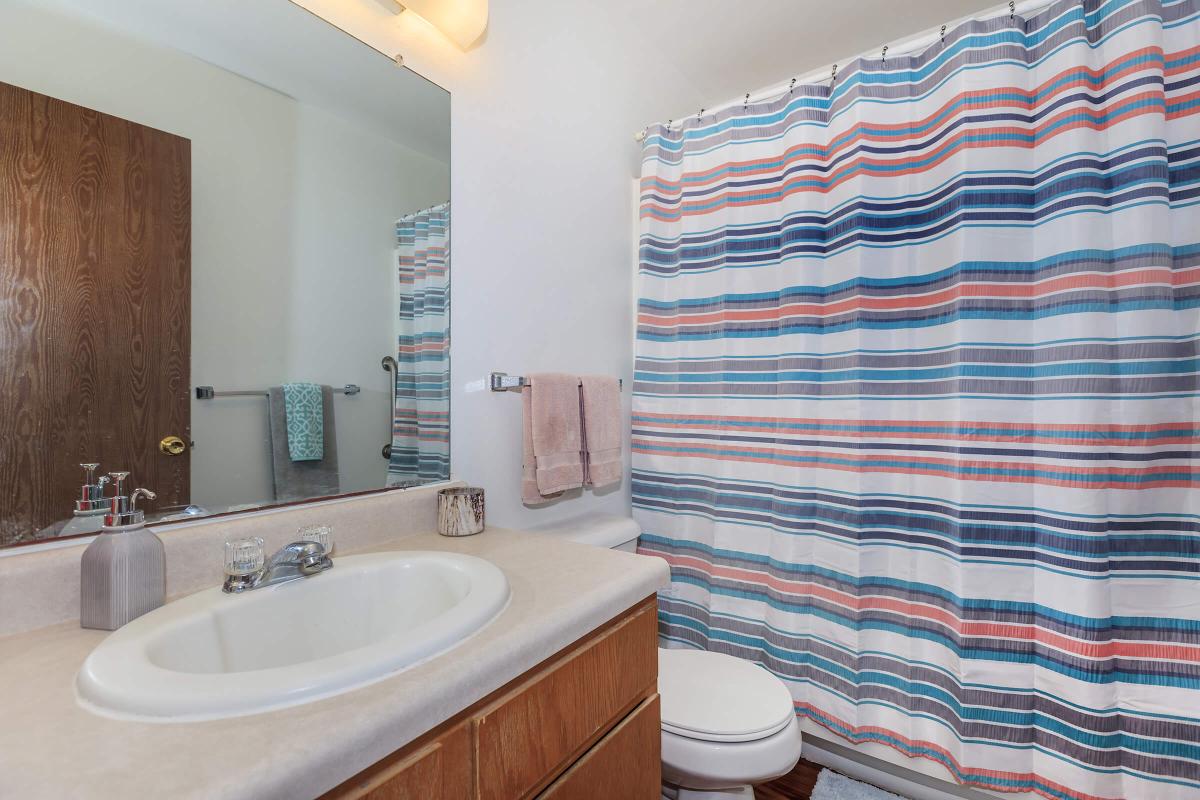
279,45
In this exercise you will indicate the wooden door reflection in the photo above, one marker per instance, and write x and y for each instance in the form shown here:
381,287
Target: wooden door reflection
95,323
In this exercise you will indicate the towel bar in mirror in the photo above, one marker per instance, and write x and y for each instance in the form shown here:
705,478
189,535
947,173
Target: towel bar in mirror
208,393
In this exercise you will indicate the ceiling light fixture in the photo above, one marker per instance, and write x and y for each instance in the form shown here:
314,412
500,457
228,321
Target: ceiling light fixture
461,21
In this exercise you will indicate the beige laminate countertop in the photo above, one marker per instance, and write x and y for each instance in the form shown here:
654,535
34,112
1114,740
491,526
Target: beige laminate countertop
52,748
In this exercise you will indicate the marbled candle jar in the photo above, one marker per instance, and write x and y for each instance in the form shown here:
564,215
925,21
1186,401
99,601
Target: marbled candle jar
460,511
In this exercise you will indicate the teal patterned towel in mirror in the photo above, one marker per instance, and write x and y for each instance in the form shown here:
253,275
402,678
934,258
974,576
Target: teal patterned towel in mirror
305,421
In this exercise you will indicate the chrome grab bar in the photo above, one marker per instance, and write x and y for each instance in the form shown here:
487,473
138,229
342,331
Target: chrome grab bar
389,365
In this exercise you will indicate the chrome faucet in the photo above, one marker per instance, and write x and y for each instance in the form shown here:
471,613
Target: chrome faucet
122,510
296,560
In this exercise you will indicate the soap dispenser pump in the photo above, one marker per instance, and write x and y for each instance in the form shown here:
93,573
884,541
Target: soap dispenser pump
123,571
91,505
91,495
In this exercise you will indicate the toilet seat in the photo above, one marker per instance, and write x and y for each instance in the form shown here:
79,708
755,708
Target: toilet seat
713,697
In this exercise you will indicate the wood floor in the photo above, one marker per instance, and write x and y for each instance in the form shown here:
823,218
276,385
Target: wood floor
796,785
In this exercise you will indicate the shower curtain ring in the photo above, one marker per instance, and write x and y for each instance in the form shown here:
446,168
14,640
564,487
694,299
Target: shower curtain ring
700,115
746,102
1012,9
883,55
833,76
792,86
942,33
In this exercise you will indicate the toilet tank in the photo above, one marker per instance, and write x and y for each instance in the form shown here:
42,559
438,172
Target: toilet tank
613,531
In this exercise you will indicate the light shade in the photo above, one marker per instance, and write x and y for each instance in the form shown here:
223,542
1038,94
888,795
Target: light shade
462,21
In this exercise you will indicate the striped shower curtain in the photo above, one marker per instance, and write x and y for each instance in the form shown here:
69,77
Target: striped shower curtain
915,415
421,425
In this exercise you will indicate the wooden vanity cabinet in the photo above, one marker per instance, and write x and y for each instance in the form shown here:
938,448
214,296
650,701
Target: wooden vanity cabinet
582,724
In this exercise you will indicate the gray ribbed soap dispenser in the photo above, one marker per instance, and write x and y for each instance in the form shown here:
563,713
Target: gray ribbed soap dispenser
123,572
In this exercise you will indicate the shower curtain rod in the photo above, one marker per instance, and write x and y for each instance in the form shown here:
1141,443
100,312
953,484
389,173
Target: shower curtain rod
438,207
906,47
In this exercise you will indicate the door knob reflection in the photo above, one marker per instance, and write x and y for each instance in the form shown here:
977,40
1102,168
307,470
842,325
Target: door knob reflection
173,446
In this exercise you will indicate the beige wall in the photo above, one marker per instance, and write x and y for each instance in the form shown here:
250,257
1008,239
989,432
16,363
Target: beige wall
292,220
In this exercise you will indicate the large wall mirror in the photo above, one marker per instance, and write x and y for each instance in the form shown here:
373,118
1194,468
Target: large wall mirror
224,262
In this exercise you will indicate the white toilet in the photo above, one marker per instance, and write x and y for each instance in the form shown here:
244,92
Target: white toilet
726,723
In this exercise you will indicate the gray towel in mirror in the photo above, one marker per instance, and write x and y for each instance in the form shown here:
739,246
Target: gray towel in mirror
300,480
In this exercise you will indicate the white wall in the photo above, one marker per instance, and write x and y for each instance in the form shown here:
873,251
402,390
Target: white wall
293,213
540,271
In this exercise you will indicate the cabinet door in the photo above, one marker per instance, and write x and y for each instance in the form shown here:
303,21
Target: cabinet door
534,732
441,769
626,763
514,743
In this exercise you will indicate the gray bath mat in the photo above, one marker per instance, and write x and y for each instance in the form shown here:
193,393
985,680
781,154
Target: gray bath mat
835,786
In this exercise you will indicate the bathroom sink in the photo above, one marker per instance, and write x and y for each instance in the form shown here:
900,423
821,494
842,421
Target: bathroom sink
212,655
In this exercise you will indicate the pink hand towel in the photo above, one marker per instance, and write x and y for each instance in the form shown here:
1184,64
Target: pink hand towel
556,432
530,495
603,431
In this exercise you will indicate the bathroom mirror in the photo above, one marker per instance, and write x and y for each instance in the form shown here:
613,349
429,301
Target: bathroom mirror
224,262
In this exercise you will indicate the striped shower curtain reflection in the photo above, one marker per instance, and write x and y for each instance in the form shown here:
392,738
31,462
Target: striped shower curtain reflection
915,415
421,424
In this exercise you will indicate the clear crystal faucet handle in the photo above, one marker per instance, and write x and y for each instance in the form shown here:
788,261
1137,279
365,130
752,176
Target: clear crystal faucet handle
244,556
321,534
89,471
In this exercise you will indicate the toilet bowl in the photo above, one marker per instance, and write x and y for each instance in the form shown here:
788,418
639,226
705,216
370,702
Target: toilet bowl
726,723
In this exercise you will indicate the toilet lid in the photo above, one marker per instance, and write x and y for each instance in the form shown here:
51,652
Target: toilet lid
719,698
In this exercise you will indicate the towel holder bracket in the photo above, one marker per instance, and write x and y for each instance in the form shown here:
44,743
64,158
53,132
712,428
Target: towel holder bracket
503,382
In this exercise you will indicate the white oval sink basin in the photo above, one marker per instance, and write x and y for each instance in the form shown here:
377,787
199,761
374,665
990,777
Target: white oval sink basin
211,655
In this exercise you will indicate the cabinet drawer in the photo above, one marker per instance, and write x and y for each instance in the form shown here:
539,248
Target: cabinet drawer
626,763
532,733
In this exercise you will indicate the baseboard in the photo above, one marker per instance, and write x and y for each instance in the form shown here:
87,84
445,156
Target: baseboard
890,777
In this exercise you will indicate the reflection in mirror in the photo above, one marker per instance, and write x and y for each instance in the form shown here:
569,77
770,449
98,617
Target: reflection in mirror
420,449
210,239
